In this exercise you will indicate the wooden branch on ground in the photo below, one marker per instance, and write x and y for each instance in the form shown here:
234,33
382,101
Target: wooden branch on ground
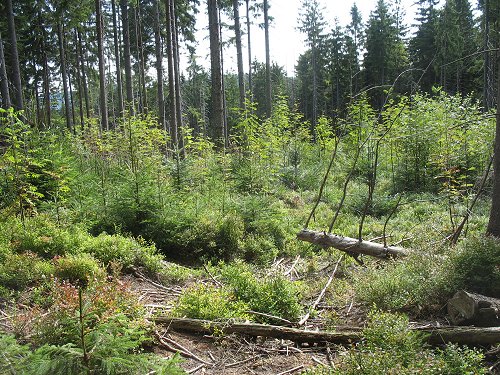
436,336
471,308
322,293
350,245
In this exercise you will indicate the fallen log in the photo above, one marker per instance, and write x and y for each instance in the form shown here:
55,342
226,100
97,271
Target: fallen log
470,308
345,336
350,245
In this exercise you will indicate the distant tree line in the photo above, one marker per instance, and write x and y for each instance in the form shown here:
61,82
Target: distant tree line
68,61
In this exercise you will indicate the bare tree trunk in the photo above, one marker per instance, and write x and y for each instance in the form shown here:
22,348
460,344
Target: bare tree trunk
494,221
177,78
64,74
4,83
16,69
249,51
159,68
126,57
142,69
268,60
102,73
217,109
79,81
239,53
84,76
171,72
119,85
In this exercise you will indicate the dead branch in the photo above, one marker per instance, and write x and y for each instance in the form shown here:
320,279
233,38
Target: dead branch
436,335
322,293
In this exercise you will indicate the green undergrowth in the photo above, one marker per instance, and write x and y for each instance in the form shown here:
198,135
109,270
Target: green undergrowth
390,347
244,293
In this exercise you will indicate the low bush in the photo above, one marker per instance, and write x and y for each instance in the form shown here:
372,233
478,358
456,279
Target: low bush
17,271
390,347
78,269
210,302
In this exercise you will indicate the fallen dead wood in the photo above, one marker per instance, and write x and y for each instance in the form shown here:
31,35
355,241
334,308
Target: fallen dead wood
254,329
436,336
351,245
472,308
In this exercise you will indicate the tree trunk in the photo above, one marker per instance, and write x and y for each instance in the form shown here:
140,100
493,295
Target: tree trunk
177,78
350,245
239,53
16,69
64,74
4,83
470,308
102,74
79,81
142,70
268,60
171,72
159,68
494,221
346,336
84,75
217,109
119,85
46,77
249,51
129,105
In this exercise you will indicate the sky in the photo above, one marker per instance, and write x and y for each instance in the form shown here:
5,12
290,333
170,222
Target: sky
286,42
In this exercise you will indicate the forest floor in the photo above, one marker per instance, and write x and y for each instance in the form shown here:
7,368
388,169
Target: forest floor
240,354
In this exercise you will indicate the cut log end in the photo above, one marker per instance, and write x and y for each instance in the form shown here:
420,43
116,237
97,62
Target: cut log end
471,308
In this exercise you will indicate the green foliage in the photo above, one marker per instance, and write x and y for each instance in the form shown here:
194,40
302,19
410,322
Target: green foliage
473,266
18,271
390,347
212,303
79,269
274,294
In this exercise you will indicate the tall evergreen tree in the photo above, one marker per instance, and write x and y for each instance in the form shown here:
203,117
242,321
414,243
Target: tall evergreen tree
354,45
385,57
217,107
268,60
423,46
456,44
15,67
312,24
103,99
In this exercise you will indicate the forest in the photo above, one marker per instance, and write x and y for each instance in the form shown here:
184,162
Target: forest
160,214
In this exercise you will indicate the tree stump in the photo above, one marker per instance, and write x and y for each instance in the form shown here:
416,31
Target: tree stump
469,308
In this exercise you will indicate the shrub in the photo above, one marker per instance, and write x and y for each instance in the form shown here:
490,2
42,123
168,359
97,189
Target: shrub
390,347
274,295
474,266
17,271
209,302
77,269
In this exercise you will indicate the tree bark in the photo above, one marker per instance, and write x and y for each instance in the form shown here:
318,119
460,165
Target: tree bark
4,83
239,53
345,336
129,105
102,74
494,221
16,69
142,69
159,68
249,51
119,84
64,74
177,78
79,81
217,109
470,308
171,74
350,245
268,60
84,75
